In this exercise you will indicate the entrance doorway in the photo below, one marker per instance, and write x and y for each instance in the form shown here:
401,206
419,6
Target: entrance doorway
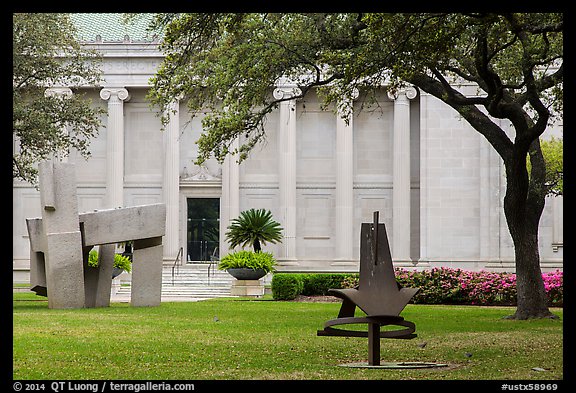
203,229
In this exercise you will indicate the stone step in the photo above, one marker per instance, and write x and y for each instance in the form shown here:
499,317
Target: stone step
196,282
190,281
198,293
184,292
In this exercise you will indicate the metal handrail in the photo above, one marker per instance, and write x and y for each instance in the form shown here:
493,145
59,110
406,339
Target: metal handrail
213,260
176,265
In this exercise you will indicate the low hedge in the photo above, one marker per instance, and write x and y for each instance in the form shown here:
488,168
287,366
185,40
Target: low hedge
286,286
437,286
320,283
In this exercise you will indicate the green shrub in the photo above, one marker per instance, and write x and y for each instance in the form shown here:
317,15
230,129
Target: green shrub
320,283
248,259
351,280
120,261
286,286
314,284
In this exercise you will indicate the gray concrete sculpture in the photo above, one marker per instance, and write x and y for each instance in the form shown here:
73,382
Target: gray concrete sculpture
61,240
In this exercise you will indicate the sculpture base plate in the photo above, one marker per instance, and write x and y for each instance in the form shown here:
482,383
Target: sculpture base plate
395,365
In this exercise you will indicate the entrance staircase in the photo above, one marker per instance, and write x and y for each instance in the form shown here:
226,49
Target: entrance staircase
189,281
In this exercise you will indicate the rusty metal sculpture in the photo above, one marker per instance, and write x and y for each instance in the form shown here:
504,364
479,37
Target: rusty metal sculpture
378,294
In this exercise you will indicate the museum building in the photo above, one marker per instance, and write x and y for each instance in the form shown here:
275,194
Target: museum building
437,183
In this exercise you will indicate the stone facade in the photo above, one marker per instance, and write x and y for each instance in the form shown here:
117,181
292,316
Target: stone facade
437,182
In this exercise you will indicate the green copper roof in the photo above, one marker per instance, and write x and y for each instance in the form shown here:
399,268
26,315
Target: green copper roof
112,27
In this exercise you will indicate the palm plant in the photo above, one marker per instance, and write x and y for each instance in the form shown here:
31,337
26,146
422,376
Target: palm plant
254,227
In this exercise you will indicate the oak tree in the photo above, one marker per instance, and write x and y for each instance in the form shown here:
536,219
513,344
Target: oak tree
227,64
46,54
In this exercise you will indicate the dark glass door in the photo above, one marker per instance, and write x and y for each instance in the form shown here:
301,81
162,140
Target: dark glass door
203,231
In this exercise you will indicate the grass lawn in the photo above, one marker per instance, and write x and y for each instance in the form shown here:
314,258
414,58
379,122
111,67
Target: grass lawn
269,339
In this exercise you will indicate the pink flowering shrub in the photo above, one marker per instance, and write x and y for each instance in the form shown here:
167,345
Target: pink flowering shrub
553,283
455,286
437,286
486,288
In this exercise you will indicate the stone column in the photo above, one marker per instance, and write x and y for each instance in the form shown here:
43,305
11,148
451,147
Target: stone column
424,177
230,194
115,145
171,183
491,174
558,224
62,93
485,230
401,175
345,186
287,169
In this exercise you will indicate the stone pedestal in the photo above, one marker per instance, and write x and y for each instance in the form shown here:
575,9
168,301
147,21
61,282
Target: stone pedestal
247,288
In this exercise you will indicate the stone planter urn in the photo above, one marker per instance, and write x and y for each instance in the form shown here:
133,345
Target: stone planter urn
246,273
116,272
247,282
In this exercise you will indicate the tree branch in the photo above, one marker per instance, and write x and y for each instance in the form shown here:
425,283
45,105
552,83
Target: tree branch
454,95
481,122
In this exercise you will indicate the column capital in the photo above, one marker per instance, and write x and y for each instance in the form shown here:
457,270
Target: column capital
286,92
119,92
409,91
355,93
61,92
345,105
173,106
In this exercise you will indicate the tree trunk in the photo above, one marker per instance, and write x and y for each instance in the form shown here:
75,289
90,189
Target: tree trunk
523,207
531,294
256,245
